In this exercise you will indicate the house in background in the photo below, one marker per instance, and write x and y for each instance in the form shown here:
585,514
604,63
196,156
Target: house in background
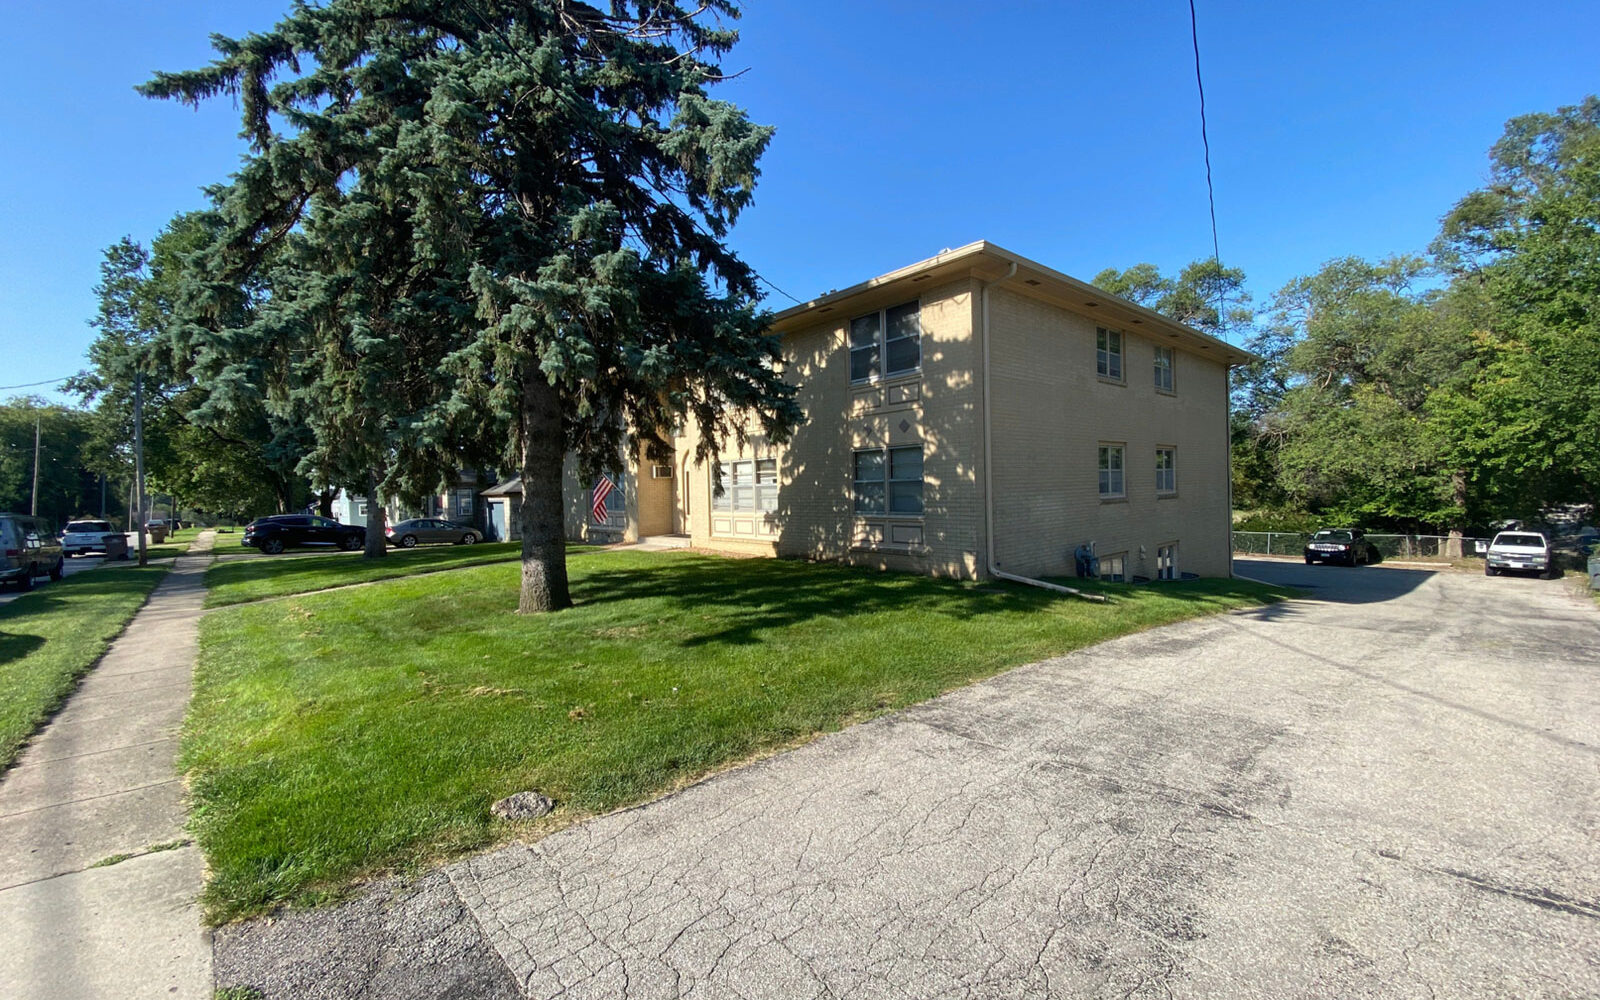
980,414
459,501
641,503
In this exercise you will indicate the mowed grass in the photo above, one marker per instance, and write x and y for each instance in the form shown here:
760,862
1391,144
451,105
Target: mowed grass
255,576
49,638
338,735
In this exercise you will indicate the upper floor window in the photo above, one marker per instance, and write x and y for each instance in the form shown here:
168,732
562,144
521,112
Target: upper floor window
1111,481
887,342
1163,366
1166,471
1108,354
888,481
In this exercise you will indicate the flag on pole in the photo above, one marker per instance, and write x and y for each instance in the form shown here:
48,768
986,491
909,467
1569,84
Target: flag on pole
602,489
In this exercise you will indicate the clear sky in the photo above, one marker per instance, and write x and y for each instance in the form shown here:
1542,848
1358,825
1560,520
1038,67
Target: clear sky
1065,131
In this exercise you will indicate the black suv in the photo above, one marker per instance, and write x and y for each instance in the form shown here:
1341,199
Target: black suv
274,534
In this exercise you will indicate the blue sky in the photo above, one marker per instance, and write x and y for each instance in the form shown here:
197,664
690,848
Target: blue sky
1065,131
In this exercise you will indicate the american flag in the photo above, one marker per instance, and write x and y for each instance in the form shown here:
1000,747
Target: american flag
602,489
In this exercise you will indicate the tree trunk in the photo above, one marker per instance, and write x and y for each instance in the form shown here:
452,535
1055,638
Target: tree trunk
544,548
1458,490
325,501
377,547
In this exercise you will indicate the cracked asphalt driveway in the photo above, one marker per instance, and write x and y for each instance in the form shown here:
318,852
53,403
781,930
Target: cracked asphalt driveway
1391,789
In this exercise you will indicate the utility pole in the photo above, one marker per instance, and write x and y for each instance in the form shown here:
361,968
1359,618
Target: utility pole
34,510
138,457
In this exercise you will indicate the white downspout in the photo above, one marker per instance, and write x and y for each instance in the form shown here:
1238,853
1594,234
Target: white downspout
988,468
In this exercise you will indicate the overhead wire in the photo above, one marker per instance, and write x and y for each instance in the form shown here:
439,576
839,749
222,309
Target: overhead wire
1211,194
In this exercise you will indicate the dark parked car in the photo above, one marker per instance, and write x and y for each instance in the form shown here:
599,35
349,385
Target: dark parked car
28,549
1342,545
282,531
431,529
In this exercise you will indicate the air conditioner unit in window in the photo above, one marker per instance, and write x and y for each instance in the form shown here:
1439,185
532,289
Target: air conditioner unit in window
660,472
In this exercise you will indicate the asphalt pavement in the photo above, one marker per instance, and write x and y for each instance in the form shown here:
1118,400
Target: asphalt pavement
1390,788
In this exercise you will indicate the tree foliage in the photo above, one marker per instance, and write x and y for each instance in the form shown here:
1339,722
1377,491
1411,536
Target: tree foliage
501,232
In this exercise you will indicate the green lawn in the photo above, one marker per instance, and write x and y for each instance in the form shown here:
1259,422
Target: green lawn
235,581
342,734
50,637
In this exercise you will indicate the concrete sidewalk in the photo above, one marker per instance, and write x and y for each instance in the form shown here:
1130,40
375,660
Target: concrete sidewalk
101,783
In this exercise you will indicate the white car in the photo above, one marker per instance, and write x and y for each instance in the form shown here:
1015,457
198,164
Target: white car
1520,551
82,537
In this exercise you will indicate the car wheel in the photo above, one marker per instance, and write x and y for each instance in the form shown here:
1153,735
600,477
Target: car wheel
1309,560
272,546
350,543
469,538
60,569
408,541
25,581
1490,571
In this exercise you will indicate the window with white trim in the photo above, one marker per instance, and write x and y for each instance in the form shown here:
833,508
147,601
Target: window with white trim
1108,354
464,503
887,342
888,481
1167,561
748,486
1114,568
1166,470
1163,369
1111,479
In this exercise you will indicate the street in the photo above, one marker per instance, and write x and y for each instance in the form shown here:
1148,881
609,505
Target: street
1388,789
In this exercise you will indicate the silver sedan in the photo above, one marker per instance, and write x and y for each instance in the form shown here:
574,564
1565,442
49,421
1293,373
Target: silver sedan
407,534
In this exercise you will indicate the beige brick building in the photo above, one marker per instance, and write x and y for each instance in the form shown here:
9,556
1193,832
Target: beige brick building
972,414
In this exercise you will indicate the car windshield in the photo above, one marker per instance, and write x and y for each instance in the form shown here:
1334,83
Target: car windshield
1533,541
88,526
1331,535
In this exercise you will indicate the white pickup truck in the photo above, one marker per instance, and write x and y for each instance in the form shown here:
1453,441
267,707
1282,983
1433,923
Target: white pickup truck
1520,551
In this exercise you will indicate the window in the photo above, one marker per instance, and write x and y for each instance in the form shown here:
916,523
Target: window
748,486
1111,484
898,492
464,503
887,342
1167,561
1166,471
766,484
905,480
616,503
1164,369
869,487
361,510
1108,354
1114,568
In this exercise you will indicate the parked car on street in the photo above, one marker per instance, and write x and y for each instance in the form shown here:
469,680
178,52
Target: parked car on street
431,529
1342,545
82,537
28,550
1520,551
283,531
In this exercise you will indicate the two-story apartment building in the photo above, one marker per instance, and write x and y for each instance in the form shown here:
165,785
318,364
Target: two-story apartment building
977,414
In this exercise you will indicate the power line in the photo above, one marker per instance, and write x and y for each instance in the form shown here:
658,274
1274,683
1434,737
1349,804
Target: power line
30,385
1205,141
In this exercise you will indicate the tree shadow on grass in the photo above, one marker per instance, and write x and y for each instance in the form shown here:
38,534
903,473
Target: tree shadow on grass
753,596
14,646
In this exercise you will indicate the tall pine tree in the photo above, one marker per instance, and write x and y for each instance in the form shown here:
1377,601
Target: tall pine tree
546,187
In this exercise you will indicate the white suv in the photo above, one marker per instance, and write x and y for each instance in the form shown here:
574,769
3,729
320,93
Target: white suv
1522,551
81,537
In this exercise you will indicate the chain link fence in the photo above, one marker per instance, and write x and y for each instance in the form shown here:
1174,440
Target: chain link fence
1292,543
